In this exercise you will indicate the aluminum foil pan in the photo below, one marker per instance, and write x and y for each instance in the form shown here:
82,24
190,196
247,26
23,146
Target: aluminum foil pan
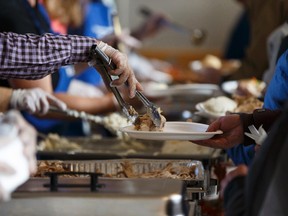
139,168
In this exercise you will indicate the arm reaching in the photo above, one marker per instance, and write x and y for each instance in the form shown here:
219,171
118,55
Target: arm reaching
34,101
233,133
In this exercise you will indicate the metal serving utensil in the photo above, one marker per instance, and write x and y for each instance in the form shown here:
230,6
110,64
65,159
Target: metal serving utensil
196,35
105,61
102,120
76,114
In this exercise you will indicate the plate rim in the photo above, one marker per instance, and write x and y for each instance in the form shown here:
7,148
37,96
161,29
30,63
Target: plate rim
178,134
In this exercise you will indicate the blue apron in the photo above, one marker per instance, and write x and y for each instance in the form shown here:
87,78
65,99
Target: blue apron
65,128
97,24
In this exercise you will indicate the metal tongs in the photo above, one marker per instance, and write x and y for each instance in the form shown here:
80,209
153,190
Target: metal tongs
103,64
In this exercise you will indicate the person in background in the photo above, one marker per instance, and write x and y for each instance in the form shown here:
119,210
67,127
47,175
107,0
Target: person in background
64,13
101,20
255,194
255,61
276,46
273,14
277,91
261,189
239,37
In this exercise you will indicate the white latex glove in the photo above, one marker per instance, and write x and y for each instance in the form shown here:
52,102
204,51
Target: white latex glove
123,71
34,100
5,169
24,131
17,152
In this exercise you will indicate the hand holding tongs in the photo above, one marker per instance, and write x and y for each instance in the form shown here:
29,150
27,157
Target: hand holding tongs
103,63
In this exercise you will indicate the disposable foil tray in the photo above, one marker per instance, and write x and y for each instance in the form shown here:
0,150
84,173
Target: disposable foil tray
139,167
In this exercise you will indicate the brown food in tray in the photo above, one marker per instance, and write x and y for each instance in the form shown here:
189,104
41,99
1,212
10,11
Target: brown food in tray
250,87
169,171
247,104
124,170
45,166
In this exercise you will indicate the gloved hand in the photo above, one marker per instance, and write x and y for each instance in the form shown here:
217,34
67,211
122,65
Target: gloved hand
123,71
34,101
25,132
6,170
17,152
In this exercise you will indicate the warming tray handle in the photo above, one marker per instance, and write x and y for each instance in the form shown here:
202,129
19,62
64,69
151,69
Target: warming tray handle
54,185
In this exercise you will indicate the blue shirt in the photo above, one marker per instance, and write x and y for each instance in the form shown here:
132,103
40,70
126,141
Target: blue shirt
275,98
277,91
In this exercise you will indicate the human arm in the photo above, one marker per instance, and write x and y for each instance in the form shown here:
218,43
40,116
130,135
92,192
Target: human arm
90,105
33,57
32,100
233,133
234,126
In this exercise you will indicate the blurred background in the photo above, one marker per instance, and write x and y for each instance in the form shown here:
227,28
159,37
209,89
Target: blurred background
215,17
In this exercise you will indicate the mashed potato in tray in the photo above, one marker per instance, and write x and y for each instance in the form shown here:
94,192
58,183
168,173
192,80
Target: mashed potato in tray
219,106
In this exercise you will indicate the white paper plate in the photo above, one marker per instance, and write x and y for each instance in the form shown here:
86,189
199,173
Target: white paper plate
181,90
230,86
174,131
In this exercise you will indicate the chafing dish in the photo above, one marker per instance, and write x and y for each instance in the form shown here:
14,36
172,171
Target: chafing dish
90,148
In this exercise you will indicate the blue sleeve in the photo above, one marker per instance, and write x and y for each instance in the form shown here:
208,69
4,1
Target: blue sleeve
241,154
277,91
275,98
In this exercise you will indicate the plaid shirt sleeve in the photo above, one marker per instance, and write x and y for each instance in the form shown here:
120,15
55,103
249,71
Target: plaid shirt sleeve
33,57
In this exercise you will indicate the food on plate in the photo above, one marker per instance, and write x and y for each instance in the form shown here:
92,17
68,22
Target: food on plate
250,87
145,123
132,111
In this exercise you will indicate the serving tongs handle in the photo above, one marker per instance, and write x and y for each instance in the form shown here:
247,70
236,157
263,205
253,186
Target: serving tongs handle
101,62
153,111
